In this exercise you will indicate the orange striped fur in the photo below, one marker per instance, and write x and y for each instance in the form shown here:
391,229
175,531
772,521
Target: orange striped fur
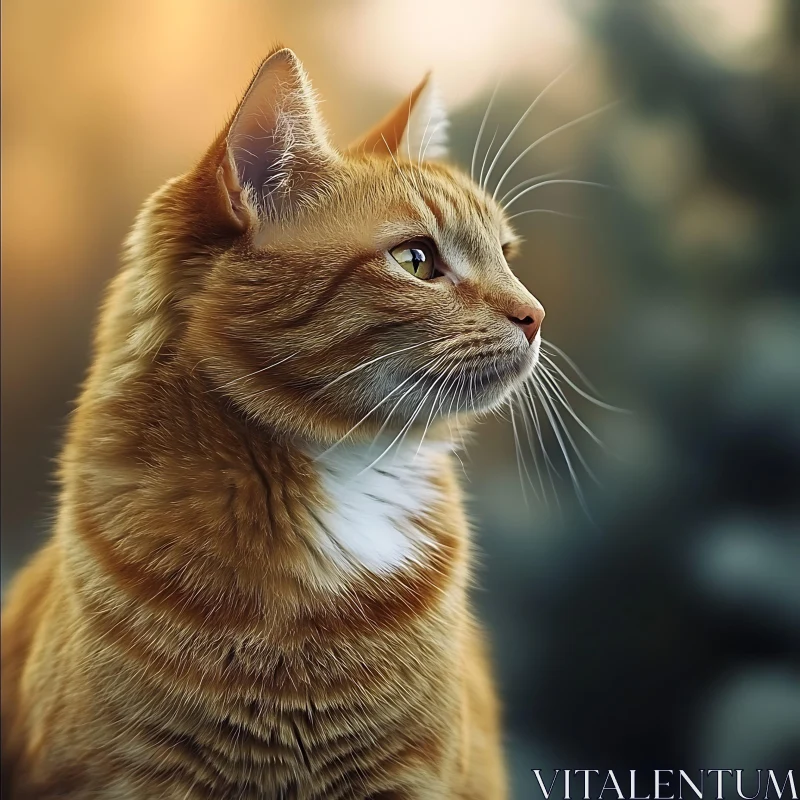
213,616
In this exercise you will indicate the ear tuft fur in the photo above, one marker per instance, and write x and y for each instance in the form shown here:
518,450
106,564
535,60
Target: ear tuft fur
425,135
277,140
416,129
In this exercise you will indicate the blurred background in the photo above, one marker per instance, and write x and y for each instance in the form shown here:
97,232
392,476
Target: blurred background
657,625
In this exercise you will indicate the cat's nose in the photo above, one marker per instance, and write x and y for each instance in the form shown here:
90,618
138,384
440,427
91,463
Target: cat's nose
529,318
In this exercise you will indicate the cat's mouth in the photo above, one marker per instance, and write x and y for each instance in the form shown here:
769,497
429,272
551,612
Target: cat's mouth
492,381
482,383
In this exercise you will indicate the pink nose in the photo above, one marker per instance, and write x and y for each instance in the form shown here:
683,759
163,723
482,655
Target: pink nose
529,318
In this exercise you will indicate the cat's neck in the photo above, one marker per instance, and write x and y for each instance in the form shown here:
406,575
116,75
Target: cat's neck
377,494
165,467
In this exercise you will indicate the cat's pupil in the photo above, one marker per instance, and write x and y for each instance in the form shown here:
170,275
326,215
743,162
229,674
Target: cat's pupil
417,257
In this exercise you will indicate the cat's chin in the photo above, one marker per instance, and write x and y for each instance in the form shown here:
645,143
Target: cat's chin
496,382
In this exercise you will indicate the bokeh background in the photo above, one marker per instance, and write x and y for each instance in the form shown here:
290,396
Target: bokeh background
660,626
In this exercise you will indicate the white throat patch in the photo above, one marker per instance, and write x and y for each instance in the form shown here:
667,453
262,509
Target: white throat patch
369,522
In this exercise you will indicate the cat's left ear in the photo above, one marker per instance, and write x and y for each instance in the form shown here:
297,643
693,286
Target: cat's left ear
415,130
277,149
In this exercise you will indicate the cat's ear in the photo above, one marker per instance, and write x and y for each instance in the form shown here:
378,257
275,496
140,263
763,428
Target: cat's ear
416,129
277,147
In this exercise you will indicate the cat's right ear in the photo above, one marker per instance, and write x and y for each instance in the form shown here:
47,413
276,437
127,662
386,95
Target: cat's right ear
276,144
416,129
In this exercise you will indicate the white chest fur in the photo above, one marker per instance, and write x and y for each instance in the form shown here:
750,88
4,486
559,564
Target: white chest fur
370,511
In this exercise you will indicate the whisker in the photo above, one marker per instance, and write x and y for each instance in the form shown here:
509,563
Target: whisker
480,131
400,436
420,407
516,452
408,424
424,134
521,463
548,462
554,174
405,394
574,366
567,434
486,156
545,211
547,388
551,183
580,391
257,372
547,136
532,407
367,363
529,435
380,403
561,397
456,396
434,407
567,460
432,137
522,119
457,400
402,174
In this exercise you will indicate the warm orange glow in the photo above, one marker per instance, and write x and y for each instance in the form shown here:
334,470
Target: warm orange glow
468,43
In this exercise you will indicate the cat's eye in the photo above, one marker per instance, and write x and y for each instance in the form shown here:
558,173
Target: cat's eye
416,258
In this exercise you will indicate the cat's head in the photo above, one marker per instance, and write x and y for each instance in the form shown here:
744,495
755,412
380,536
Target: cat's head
329,286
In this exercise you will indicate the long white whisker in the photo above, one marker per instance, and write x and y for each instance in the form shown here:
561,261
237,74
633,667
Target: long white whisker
486,156
420,407
434,407
548,462
545,211
532,406
424,134
456,399
551,183
430,368
378,405
521,120
574,366
562,398
516,452
402,174
480,131
432,137
580,391
405,428
258,371
521,463
528,181
523,411
567,434
456,396
368,363
547,136
554,426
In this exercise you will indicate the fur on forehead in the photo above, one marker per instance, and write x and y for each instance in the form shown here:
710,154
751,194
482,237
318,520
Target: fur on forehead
375,200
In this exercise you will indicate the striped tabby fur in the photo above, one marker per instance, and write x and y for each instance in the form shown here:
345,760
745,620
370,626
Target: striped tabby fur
235,603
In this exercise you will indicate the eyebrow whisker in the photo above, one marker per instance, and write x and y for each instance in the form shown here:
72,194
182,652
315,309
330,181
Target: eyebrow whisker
523,118
552,183
547,136
480,131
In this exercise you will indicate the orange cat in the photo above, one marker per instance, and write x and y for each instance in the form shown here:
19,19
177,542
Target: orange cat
257,583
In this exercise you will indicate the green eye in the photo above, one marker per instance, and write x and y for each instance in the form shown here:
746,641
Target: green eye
417,259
